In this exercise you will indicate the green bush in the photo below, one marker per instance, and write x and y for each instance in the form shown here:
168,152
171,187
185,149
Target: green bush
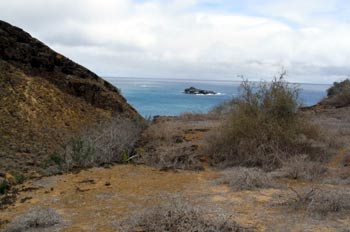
56,158
20,178
263,127
4,187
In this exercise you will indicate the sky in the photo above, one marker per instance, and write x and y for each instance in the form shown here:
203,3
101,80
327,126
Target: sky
194,39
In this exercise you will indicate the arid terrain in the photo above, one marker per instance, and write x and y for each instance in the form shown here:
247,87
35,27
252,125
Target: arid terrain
98,199
75,156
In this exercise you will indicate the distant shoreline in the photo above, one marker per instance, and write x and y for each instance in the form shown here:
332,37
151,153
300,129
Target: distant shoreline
108,78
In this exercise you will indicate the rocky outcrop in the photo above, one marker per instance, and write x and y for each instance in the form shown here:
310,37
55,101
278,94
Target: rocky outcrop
45,99
193,90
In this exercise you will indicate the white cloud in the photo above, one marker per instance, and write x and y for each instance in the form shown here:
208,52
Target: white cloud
180,39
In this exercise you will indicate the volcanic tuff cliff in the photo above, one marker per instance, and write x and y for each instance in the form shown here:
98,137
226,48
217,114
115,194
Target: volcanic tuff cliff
45,98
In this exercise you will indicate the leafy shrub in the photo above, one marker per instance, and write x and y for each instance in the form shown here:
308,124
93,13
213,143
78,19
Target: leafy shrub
264,128
35,218
180,216
246,179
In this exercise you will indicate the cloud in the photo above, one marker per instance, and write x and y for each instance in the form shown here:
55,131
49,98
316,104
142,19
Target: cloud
193,38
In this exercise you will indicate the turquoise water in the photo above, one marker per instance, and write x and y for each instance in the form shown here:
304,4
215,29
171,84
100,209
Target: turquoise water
152,97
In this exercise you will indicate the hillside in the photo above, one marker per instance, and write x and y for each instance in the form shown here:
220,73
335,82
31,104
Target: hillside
46,98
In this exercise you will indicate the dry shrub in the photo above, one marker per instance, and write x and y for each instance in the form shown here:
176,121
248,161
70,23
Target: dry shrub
162,133
340,176
321,202
186,117
328,201
165,148
36,219
241,178
172,158
263,128
299,167
338,95
180,216
104,143
346,161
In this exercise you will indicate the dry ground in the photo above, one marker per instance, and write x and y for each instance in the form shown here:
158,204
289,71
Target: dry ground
96,199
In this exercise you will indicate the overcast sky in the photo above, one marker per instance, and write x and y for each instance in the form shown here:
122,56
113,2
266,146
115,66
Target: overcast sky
202,39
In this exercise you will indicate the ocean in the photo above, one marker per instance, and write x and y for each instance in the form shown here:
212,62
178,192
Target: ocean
150,96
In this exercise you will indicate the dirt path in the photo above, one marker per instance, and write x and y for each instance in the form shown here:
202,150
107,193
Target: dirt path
94,200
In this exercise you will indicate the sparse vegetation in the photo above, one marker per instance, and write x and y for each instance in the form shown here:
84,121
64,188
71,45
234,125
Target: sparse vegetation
321,202
240,178
339,88
187,117
35,218
340,176
329,201
299,167
263,128
101,144
166,146
181,157
180,216
339,94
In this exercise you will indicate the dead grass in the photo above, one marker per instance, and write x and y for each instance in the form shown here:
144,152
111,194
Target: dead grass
166,146
36,219
300,168
180,216
164,132
198,117
180,157
240,178
339,176
321,202
328,201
